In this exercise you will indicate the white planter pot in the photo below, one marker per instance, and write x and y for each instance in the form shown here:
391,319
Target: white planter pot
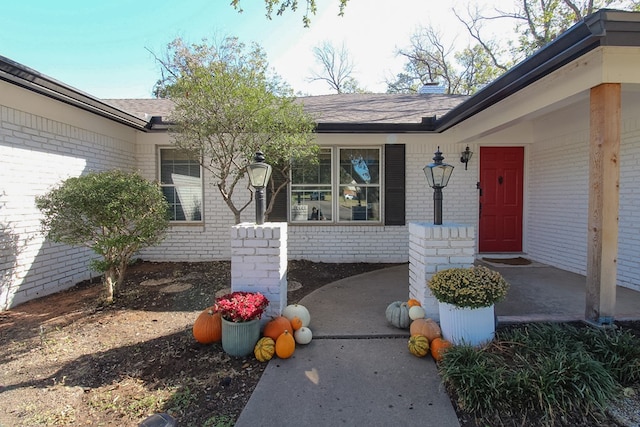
468,326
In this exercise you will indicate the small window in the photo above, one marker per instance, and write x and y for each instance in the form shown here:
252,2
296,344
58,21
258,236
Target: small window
181,182
359,189
311,197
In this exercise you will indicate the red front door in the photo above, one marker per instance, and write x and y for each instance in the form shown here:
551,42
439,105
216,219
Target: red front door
501,176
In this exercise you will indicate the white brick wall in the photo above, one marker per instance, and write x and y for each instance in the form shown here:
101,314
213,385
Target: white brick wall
195,242
326,243
629,226
459,198
36,154
557,193
434,248
349,243
557,201
259,263
38,150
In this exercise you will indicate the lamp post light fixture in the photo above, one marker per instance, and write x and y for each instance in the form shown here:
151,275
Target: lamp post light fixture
438,175
259,173
465,156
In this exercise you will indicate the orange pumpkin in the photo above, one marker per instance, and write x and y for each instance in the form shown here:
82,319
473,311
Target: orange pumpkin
412,302
276,327
285,345
427,327
207,328
438,347
296,323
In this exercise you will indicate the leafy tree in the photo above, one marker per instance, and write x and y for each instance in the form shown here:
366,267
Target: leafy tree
280,6
537,23
431,60
228,105
337,68
540,22
114,213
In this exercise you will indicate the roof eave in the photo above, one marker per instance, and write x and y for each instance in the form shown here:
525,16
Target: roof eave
605,27
427,125
34,81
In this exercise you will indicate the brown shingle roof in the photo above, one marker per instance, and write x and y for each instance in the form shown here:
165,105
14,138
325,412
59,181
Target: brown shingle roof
339,108
378,108
143,108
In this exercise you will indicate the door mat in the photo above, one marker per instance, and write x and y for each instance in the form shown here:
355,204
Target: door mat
508,261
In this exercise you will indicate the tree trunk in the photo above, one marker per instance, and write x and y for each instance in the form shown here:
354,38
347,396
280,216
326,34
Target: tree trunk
110,280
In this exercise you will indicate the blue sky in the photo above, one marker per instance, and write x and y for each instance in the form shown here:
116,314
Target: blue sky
101,47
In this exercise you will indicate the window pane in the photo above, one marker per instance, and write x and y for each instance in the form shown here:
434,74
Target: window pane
364,205
359,166
314,173
359,185
311,203
311,197
181,185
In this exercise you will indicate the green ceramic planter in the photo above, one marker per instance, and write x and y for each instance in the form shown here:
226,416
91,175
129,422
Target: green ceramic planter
239,339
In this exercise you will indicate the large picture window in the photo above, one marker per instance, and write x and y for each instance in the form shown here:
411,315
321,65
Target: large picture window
343,186
181,183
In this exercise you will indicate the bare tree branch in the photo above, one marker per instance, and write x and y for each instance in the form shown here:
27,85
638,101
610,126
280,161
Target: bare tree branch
337,68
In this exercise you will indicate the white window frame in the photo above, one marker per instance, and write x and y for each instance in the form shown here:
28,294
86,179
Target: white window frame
336,187
199,188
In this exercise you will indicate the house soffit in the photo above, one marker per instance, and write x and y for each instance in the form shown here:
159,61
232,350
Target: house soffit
608,28
568,86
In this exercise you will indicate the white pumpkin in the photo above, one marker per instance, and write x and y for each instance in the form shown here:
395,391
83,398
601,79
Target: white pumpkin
297,310
303,335
417,312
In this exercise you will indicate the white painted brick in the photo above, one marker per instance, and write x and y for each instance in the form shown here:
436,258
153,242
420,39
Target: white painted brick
556,205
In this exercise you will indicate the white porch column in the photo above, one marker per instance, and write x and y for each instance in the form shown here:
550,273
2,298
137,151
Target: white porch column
259,263
433,248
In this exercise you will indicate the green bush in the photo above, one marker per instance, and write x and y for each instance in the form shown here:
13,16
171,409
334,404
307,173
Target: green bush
114,213
542,373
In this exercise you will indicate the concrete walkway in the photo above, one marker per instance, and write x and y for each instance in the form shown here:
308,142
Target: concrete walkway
357,371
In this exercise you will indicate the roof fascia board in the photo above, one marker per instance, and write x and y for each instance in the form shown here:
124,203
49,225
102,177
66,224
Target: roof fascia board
605,27
565,86
375,127
30,79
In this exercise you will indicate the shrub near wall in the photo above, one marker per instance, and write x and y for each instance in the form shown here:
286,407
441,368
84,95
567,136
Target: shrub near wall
114,213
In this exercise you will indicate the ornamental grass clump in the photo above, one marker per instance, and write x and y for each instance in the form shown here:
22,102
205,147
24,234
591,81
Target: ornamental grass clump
542,374
241,306
472,287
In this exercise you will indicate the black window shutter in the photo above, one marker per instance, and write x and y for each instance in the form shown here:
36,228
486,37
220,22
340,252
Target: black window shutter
394,184
279,211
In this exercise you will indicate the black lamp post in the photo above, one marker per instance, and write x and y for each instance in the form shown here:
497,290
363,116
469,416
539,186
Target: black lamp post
259,173
438,175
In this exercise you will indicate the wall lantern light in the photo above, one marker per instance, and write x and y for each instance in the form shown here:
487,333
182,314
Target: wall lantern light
465,156
438,175
259,173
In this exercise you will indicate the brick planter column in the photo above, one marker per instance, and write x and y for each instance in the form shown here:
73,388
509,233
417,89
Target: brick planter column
259,263
433,248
